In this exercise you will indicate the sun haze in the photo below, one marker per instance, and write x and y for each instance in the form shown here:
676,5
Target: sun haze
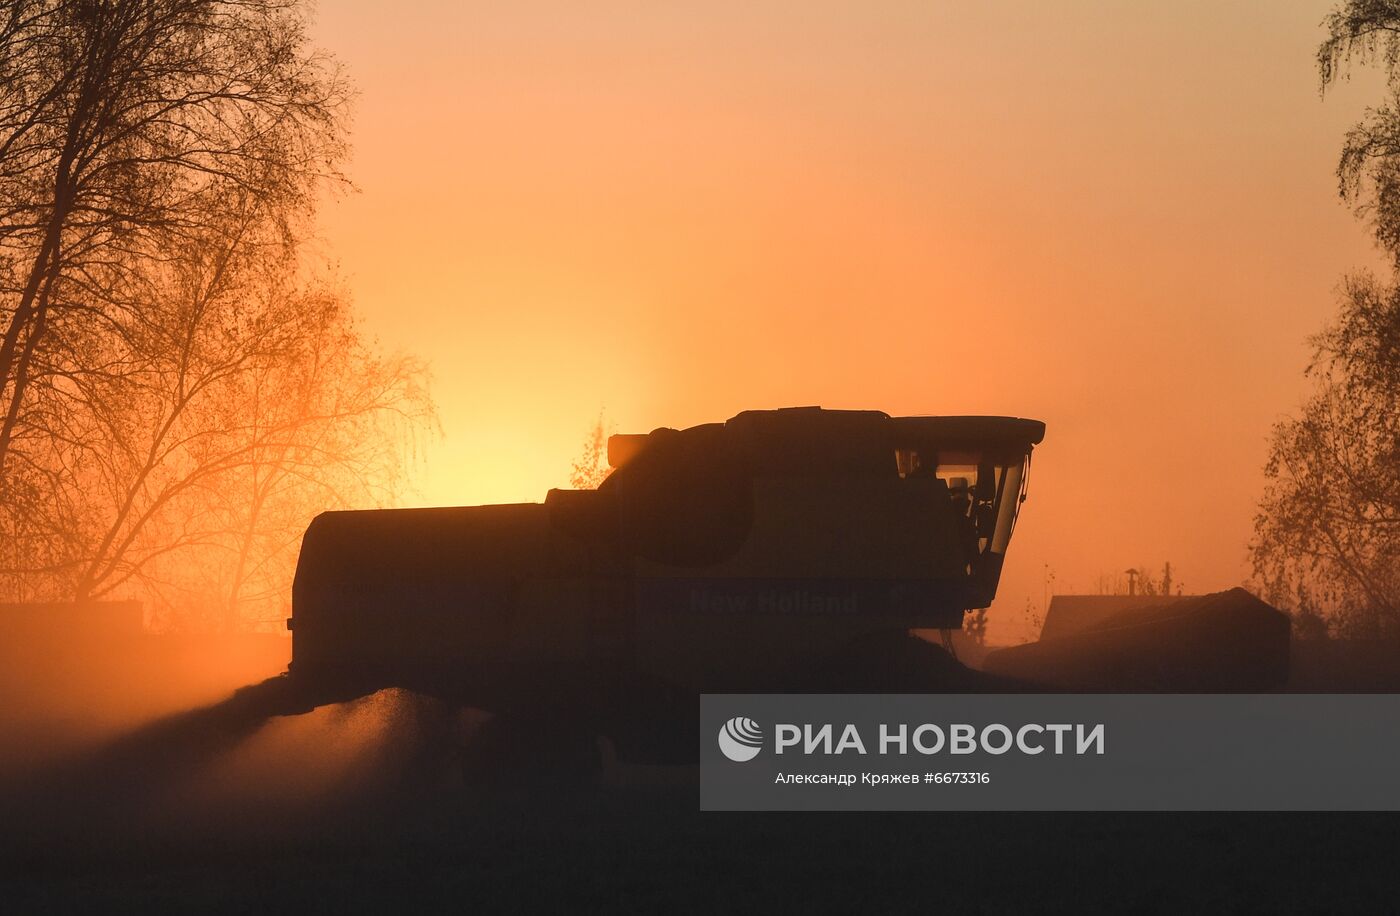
1120,219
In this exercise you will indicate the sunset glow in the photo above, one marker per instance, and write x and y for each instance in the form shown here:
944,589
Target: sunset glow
1116,219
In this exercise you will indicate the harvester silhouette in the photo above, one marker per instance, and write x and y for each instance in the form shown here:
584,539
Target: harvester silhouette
783,550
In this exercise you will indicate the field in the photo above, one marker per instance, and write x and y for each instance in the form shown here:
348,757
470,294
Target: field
364,807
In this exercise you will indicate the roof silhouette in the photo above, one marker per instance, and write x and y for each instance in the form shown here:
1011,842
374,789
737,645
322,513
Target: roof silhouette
1070,614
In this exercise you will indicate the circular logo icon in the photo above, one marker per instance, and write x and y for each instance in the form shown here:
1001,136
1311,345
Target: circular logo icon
740,739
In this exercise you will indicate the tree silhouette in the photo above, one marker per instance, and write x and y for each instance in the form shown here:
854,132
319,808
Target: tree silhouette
123,127
181,390
591,467
1327,533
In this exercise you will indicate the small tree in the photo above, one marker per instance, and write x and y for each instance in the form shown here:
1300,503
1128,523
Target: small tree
591,467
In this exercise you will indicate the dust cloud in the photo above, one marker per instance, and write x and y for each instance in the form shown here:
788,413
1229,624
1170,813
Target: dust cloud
105,743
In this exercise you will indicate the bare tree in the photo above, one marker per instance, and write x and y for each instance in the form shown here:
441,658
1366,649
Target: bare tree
122,124
179,394
1327,534
212,314
591,467
328,426
244,404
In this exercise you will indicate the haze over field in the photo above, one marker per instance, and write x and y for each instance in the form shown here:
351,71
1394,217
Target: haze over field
1120,219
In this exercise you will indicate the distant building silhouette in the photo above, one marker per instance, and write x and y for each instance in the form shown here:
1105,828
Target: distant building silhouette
1070,614
1224,642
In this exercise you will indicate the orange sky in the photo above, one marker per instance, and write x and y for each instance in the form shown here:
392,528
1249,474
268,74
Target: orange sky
1118,218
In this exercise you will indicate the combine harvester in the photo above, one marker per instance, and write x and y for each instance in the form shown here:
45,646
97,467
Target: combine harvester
786,550
783,550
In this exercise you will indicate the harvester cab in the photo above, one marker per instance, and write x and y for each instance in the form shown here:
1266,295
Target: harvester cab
765,543
724,557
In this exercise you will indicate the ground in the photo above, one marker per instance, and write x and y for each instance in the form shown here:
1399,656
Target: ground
366,807
362,808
